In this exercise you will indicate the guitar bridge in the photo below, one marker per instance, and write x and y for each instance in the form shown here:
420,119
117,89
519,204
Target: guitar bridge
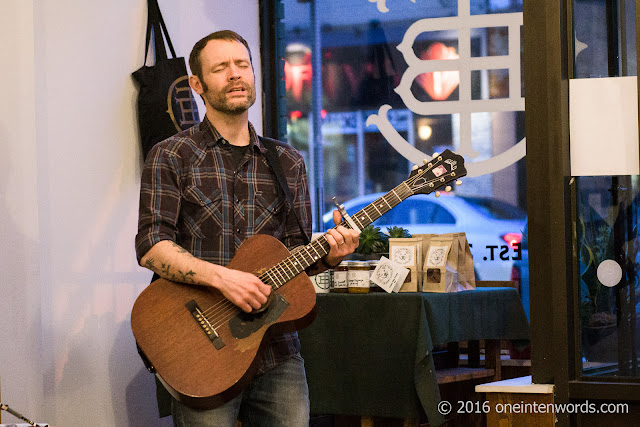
204,324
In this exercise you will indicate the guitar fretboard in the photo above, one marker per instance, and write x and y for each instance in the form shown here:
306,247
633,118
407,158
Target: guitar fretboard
305,256
437,172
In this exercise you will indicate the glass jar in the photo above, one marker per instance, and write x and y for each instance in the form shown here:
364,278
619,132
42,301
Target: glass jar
372,286
358,277
340,283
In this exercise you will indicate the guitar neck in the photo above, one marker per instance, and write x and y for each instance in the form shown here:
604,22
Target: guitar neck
305,256
436,172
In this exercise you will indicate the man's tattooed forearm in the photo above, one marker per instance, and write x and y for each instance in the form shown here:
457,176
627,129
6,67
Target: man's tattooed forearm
187,277
179,276
165,271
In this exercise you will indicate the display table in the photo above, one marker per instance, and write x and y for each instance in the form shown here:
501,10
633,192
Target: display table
371,354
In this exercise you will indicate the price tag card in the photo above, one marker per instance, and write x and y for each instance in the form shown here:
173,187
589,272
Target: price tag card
389,275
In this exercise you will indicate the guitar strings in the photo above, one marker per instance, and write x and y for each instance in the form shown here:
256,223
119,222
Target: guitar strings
227,309
280,277
266,278
223,306
280,273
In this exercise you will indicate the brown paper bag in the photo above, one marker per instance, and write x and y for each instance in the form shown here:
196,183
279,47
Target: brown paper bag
426,241
408,253
459,263
440,265
466,272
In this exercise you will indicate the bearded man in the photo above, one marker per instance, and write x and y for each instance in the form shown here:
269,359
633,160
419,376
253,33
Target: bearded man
206,190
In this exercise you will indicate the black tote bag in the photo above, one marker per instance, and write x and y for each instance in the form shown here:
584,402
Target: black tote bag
165,101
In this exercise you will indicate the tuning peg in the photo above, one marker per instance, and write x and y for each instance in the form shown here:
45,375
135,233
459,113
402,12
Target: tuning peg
425,161
435,155
458,182
437,194
447,188
414,167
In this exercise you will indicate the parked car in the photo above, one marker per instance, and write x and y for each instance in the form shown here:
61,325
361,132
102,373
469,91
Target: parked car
493,228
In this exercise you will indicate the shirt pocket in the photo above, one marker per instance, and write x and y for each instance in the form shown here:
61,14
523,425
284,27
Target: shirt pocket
270,213
201,213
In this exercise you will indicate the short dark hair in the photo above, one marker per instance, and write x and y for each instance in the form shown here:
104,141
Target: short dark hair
194,58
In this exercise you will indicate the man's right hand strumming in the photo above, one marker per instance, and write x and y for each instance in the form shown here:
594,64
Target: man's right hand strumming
243,289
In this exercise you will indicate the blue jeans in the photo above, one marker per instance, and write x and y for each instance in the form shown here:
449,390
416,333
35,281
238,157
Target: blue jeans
278,397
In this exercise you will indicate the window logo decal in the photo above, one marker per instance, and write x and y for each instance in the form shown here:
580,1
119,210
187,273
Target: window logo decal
465,64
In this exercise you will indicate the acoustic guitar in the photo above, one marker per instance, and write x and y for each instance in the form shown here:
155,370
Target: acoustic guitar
204,349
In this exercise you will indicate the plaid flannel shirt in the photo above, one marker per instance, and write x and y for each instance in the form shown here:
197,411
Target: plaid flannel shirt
192,194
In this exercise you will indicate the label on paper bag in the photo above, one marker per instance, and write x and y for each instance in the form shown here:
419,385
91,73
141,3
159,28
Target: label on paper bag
437,256
403,255
389,275
440,265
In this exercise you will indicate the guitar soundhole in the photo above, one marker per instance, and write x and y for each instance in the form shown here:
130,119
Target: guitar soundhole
264,306
244,324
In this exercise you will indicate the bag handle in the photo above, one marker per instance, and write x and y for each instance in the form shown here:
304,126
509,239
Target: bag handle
156,23
274,161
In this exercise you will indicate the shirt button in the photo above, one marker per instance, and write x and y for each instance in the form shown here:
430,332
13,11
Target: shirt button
238,231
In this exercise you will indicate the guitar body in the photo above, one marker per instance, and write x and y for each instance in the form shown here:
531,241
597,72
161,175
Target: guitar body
203,370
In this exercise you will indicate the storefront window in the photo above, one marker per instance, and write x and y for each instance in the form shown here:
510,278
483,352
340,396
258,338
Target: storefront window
401,80
608,209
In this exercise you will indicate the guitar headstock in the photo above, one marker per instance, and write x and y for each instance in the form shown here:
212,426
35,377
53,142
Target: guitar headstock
436,173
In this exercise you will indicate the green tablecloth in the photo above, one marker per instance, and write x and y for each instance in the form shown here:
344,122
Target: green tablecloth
371,354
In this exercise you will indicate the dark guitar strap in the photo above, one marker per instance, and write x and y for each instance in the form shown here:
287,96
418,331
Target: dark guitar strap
274,161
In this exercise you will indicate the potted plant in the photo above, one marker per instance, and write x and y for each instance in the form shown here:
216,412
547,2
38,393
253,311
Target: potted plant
374,243
398,232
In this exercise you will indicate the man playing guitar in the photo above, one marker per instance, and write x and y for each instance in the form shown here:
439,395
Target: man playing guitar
206,190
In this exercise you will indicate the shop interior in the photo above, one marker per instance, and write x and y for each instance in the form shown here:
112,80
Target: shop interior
505,294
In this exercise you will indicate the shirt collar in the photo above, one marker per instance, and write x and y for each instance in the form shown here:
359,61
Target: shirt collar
213,137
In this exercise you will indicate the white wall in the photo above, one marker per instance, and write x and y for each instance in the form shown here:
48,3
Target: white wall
69,181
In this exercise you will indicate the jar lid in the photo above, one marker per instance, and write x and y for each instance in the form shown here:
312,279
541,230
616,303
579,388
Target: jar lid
343,264
358,264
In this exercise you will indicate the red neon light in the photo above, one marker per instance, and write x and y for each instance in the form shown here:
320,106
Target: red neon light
512,239
439,84
295,76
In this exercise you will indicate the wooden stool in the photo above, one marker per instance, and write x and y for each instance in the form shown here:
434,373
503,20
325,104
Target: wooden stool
511,403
